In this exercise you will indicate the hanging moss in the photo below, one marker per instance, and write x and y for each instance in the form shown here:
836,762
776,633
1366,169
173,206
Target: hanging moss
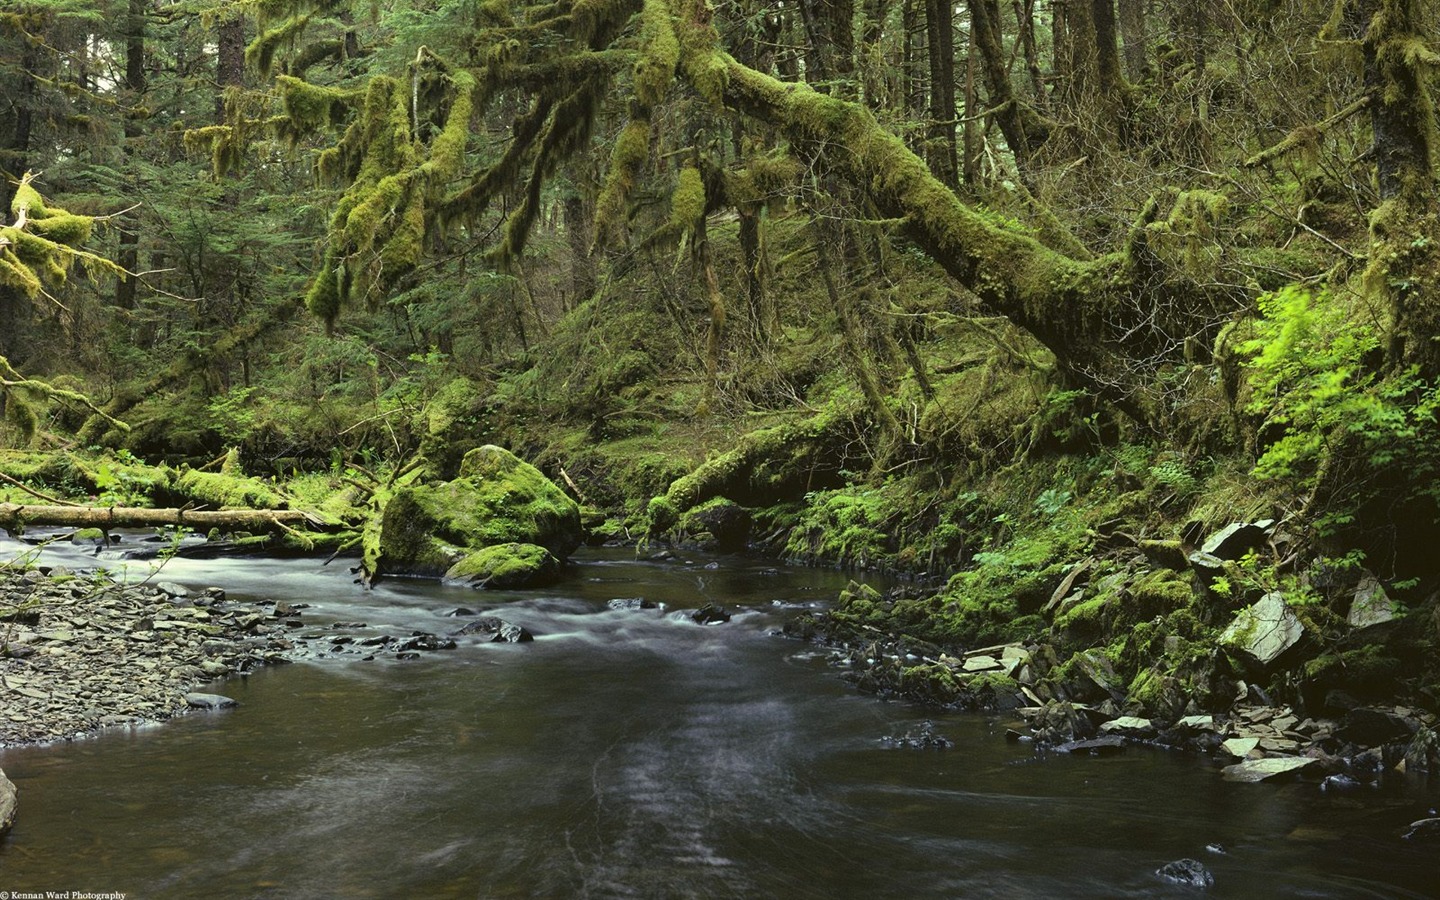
311,107
687,201
632,148
659,53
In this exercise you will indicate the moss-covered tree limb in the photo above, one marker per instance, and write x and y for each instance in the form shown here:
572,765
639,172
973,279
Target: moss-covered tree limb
1090,313
15,517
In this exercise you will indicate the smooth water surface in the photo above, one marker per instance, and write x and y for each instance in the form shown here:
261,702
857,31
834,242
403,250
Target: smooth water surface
637,754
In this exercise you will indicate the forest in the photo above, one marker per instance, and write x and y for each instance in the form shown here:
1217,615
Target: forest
1107,328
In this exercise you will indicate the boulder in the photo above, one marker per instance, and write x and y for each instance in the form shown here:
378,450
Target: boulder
1235,540
710,614
505,567
1371,606
496,499
497,631
1370,727
1255,770
726,522
8,802
1129,726
1263,631
1095,677
1187,872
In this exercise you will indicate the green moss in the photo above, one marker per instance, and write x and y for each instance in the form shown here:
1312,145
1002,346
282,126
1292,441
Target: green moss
687,202
506,566
496,499
228,491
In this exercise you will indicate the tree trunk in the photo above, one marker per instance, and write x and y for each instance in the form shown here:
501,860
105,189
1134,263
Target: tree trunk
1024,131
128,255
1132,31
940,36
229,59
14,517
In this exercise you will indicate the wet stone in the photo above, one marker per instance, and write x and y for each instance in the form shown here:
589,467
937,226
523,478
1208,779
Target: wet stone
1187,872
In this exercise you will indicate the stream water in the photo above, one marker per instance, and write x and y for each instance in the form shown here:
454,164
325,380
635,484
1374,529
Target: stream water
638,754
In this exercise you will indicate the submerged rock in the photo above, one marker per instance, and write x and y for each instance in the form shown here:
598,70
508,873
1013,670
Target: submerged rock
210,701
1254,770
1187,872
9,798
920,737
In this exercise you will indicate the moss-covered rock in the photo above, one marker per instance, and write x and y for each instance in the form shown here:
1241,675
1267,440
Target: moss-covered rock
497,499
717,524
505,567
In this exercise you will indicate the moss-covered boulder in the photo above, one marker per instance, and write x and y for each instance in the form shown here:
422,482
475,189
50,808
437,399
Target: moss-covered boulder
506,567
496,499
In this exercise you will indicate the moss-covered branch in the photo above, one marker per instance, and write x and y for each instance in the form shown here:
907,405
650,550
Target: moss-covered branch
1088,312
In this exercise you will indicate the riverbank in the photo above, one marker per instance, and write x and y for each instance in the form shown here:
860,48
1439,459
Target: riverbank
1067,703
82,652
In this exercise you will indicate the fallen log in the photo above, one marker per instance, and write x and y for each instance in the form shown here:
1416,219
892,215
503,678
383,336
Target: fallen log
15,517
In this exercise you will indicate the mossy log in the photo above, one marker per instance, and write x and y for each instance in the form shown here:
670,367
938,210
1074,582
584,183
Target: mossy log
14,517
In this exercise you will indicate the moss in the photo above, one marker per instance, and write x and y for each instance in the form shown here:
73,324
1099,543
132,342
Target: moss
228,491
632,148
506,566
719,524
659,53
497,498
687,202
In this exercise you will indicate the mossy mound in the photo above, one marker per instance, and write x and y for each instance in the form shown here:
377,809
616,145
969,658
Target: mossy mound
506,567
497,499
229,491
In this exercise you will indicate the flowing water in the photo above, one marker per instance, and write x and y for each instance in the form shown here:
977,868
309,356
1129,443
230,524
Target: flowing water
638,754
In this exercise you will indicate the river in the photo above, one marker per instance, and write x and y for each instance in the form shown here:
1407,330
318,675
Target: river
638,754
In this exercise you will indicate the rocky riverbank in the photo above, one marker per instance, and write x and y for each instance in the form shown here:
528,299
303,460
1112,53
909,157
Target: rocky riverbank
1078,706
81,652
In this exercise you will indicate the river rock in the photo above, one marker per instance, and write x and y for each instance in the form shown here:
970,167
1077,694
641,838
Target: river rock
496,630
710,614
1421,830
8,801
1241,746
1110,743
1187,872
1254,770
1129,726
210,701
1371,727
1371,606
629,604
506,567
1263,631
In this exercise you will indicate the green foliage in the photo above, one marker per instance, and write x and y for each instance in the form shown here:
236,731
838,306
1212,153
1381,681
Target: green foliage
1311,379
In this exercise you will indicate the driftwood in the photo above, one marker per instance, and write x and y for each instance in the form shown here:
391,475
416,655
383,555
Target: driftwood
15,516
